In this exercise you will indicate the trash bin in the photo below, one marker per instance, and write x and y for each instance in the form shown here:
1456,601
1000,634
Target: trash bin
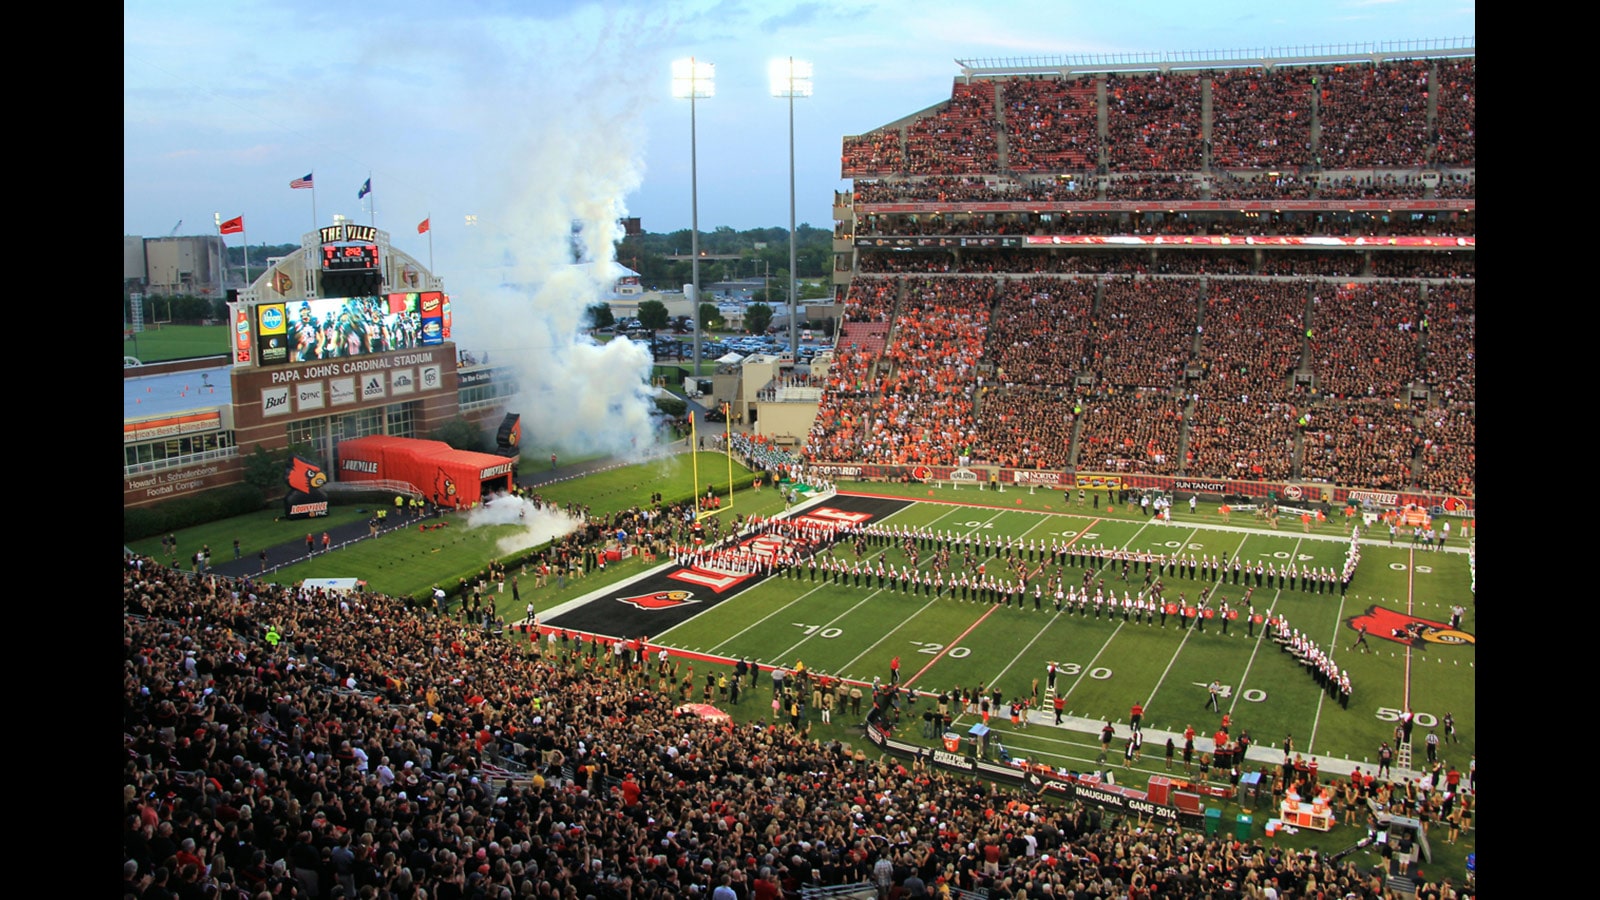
1242,827
1213,822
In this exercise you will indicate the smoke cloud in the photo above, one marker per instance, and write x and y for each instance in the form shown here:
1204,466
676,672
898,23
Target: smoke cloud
538,524
568,151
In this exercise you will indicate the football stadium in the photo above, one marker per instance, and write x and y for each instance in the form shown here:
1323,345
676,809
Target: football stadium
1130,551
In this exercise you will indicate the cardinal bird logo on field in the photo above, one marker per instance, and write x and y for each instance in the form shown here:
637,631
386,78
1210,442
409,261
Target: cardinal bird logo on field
922,473
660,599
1392,625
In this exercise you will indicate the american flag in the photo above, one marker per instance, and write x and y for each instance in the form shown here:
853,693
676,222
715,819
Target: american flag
301,182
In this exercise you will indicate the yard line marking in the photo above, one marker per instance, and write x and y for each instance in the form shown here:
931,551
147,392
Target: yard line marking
946,649
1277,593
875,592
767,580
931,600
798,644
1411,575
1333,645
763,620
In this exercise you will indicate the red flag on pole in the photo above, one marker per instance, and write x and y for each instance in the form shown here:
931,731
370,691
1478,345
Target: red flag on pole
422,226
234,225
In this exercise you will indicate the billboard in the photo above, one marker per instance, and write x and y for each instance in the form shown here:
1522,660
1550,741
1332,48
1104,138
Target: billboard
342,327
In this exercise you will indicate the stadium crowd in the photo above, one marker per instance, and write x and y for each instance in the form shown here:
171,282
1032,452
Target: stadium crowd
1200,377
285,742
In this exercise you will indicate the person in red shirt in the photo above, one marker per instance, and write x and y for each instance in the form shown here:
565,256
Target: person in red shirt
1135,715
894,670
630,791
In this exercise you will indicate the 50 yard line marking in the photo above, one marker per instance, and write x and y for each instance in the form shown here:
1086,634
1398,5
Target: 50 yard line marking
1411,576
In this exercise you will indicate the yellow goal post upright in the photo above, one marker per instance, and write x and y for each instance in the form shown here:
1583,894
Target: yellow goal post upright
727,448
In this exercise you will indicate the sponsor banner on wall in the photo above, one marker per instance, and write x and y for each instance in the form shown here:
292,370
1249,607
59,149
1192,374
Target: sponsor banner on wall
243,349
431,377
1030,476
272,334
1200,487
403,381
372,387
341,391
170,427
275,400
310,395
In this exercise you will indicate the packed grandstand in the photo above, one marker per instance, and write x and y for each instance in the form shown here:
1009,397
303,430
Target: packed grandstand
371,753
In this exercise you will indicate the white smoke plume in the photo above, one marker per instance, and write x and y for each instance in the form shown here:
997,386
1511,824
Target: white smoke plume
568,150
538,524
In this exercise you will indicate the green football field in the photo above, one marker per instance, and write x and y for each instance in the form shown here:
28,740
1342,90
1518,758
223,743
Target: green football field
1106,664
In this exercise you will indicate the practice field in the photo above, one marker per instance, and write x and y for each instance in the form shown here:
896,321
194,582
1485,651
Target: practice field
1106,662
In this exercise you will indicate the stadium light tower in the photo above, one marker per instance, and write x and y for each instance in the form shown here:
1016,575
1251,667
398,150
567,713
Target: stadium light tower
693,80
791,78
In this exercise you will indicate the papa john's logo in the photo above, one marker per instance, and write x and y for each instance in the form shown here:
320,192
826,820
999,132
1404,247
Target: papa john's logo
1405,629
660,599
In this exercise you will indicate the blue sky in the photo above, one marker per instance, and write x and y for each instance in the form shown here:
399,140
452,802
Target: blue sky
455,109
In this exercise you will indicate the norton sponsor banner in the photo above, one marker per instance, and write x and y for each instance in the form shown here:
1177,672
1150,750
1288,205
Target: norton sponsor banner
174,426
1032,476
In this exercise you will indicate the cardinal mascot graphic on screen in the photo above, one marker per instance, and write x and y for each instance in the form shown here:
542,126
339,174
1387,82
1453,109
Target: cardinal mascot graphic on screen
305,498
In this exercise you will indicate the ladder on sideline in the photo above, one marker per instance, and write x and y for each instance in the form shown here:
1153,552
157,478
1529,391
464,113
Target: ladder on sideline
1402,755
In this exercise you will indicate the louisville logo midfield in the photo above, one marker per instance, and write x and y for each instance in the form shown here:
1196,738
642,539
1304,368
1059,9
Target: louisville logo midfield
1412,631
660,599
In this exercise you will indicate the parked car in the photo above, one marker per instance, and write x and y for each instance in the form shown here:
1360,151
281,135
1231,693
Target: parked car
715,414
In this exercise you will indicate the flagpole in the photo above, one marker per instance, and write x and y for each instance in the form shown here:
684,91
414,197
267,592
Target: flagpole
222,270
246,235
429,220
314,220
372,205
